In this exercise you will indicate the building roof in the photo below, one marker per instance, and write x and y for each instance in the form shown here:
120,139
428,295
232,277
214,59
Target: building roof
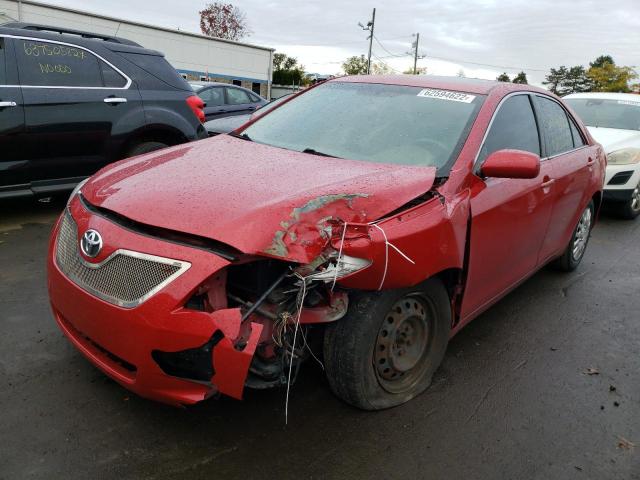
139,24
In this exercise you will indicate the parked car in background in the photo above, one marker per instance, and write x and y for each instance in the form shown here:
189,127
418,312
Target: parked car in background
386,221
229,124
224,100
71,102
614,120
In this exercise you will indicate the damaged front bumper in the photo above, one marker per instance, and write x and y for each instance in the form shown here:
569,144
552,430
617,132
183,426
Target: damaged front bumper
159,349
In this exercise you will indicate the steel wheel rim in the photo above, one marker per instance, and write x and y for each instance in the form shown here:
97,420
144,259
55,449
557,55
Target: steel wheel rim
582,234
403,343
635,199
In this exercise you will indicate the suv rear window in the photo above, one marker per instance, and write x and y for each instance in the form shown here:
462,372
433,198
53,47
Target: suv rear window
51,64
159,68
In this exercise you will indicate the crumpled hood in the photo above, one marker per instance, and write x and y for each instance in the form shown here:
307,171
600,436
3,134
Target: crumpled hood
613,139
256,198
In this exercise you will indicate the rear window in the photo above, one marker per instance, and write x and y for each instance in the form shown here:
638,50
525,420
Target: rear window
159,68
555,124
111,78
51,64
373,122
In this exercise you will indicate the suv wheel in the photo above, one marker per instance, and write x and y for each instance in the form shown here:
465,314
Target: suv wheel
386,350
145,147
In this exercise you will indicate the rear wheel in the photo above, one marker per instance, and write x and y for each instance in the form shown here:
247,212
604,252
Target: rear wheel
145,147
572,256
631,208
386,350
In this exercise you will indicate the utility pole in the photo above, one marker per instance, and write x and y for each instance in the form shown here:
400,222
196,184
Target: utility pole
370,26
415,54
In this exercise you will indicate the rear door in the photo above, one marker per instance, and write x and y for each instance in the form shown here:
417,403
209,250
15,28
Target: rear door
509,217
215,107
74,104
239,102
572,161
13,163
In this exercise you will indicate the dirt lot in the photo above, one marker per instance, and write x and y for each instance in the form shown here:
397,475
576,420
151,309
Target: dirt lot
545,385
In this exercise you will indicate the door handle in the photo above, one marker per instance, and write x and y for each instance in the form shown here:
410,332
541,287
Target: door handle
115,100
590,161
8,104
548,183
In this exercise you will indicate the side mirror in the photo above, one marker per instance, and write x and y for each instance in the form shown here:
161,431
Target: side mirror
511,164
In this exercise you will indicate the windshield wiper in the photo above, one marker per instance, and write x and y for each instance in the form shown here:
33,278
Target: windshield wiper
315,152
242,136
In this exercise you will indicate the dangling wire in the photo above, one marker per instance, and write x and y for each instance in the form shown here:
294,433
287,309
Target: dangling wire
335,277
388,244
293,346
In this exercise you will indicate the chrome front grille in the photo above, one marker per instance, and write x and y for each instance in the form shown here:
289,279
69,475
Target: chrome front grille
125,278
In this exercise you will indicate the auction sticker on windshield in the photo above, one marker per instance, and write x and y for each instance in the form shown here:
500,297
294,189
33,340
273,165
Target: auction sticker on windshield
446,95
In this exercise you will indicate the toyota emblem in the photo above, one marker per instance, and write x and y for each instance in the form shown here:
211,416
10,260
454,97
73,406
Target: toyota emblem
91,243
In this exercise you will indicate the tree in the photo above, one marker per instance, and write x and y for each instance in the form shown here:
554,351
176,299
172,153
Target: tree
554,79
607,77
380,68
503,77
461,73
419,71
576,81
286,70
601,61
356,65
223,20
520,78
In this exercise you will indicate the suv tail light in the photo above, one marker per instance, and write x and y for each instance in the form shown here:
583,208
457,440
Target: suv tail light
197,106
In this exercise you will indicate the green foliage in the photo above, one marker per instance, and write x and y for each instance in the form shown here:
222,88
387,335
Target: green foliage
503,77
611,78
356,65
379,68
601,60
286,70
520,78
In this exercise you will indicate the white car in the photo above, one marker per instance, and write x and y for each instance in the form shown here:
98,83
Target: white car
613,119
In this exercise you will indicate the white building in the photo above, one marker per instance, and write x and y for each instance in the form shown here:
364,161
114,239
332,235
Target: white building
195,56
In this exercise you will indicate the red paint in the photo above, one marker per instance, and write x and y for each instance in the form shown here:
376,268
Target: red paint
267,202
511,164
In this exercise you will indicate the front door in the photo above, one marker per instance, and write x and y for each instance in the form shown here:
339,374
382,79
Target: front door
509,217
13,162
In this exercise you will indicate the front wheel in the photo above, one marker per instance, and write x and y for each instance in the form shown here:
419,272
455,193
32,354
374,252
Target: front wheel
387,348
572,256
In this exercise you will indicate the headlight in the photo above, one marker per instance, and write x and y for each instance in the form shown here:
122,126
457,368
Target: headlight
346,266
76,190
624,156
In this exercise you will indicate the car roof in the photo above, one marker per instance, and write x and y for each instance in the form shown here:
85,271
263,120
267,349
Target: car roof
634,97
76,37
462,84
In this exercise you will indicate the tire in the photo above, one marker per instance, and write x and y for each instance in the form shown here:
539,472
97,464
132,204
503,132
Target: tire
145,147
417,321
631,208
574,252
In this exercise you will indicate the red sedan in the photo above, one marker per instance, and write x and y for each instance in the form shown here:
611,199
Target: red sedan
377,214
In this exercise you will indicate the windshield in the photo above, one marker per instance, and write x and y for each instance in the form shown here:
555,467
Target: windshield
372,122
597,112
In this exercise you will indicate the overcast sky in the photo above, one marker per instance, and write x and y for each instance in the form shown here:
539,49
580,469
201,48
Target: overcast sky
503,35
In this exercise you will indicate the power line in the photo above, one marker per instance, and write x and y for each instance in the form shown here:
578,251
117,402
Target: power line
385,49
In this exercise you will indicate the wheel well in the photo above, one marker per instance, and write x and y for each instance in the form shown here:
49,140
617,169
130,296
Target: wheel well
453,281
158,133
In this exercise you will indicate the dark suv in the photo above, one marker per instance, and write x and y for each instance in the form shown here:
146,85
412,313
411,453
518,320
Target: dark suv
72,102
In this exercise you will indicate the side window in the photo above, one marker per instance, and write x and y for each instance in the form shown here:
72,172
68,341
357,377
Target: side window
513,127
3,67
254,98
110,77
213,97
578,141
236,96
51,64
555,125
